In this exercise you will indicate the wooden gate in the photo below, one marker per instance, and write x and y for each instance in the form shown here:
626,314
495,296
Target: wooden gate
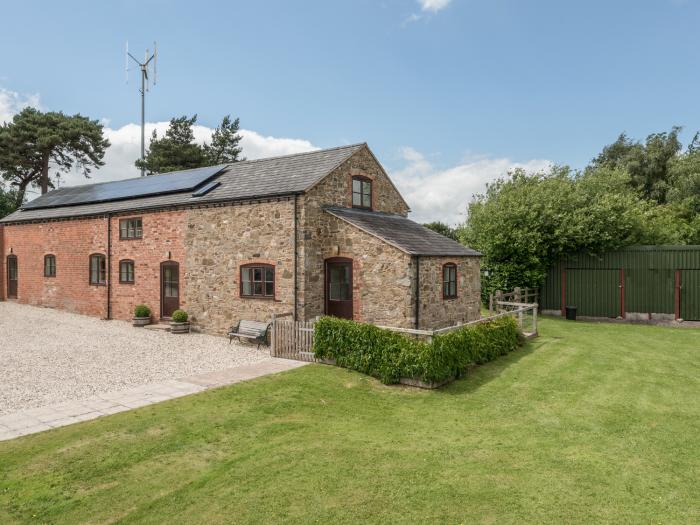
292,339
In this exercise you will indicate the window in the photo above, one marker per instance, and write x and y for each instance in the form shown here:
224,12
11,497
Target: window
98,269
361,192
49,266
126,271
130,228
449,281
258,280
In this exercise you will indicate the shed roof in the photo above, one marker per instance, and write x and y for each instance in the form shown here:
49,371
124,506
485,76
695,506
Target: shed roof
403,233
270,177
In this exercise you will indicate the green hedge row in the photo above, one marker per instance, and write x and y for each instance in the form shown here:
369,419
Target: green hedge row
390,356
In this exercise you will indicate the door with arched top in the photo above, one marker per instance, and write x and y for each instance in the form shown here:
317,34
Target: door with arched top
169,288
12,277
339,287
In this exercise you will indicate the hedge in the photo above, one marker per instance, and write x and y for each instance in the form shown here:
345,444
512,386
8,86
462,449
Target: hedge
390,356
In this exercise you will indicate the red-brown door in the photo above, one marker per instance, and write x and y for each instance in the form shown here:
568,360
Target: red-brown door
169,288
12,277
339,287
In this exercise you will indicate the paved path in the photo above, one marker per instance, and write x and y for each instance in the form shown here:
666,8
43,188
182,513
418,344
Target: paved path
29,421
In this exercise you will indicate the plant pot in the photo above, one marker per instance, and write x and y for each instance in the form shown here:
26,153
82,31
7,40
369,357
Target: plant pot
179,328
141,321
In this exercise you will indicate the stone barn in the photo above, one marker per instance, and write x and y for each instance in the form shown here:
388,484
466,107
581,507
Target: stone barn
319,233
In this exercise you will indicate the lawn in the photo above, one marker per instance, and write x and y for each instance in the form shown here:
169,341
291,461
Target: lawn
588,423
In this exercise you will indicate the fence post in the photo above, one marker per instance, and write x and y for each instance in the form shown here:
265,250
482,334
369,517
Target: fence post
499,297
534,319
516,295
490,303
272,337
520,318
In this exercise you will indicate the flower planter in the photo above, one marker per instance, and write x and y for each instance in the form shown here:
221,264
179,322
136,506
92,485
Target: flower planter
179,328
141,321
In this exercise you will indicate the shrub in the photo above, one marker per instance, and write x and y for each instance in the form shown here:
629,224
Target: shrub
141,310
179,316
389,356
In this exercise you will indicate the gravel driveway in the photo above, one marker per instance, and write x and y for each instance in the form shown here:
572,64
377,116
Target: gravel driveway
48,356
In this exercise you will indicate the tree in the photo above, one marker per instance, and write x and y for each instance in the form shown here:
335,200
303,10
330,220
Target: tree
525,223
224,147
8,201
177,150
34,142
647,164
442,229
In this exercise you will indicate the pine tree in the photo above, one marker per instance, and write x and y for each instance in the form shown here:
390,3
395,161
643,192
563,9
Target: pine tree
33,142
176,151
224,147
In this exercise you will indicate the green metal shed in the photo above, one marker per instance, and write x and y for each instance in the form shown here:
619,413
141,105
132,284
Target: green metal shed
638,282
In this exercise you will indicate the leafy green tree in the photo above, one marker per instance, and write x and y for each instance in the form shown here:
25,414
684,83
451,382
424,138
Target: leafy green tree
8,201
224,147
525,223
442,229
34,143
647,164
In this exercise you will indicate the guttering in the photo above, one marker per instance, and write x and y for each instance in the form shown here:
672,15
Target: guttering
296,254
417,314
109,266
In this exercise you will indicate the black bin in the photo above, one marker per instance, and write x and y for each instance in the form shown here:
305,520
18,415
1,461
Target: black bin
571,313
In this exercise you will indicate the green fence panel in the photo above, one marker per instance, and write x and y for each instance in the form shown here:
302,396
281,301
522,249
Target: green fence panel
594,293
690,295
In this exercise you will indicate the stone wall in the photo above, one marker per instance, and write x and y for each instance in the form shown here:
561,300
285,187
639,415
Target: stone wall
316,226
218,241
436,312
382,281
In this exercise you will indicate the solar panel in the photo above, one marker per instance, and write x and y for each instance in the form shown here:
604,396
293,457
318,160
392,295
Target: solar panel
206,188
173,182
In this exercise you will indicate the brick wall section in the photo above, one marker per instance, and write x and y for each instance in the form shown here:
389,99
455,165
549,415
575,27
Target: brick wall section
162,240
72,242
436,312
218,241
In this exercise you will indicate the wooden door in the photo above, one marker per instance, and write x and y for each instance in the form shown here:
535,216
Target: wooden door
12,277
169,288
339,287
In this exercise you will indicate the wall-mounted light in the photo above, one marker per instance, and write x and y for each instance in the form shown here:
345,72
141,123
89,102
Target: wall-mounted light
169,255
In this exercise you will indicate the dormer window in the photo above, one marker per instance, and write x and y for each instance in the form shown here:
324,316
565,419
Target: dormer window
362,193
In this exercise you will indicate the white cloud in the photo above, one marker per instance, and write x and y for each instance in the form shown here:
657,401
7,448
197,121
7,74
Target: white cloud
443,194
433,6
429,7
12,102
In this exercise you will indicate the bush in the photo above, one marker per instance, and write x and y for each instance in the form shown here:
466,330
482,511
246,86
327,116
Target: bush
141,310
390,356
179,316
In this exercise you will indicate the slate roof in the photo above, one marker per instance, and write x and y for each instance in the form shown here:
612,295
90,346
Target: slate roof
270,177
403,233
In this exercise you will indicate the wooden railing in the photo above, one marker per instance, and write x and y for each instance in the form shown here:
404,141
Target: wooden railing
518,295
524,313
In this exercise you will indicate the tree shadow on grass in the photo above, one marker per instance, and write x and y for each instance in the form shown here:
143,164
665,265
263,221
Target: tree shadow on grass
479,375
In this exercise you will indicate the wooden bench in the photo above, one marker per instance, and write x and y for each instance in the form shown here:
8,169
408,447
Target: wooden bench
254,330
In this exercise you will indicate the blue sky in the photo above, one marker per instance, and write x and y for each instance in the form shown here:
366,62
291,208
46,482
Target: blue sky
445,92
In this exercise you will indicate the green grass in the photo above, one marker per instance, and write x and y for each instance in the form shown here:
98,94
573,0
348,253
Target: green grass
588,423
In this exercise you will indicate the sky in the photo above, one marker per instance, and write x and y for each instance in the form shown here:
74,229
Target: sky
449,94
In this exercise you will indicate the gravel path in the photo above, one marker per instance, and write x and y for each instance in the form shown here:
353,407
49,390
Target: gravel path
48,356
